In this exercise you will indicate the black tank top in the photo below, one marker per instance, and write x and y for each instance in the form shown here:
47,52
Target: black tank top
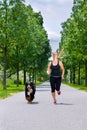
55,70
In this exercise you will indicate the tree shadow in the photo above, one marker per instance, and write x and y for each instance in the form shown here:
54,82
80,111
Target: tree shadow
42,90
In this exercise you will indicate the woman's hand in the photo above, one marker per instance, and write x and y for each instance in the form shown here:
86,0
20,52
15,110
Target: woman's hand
48,72
62,77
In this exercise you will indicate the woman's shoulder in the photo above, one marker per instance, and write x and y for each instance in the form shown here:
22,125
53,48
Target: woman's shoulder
49,64
60,63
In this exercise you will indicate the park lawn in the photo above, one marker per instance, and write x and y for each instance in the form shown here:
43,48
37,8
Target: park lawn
79,87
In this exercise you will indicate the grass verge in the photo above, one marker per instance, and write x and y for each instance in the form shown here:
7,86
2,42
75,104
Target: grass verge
79,87
11,90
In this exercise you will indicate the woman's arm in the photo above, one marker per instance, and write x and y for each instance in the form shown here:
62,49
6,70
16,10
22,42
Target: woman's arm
62,68
48,68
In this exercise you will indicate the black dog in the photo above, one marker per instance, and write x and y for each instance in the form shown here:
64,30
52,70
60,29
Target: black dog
30,90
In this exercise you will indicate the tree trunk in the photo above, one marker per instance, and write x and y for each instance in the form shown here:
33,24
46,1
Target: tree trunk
70,75
17,82
24,76
79,82
74,75
86,73
4,70
35,76
5,49
17,75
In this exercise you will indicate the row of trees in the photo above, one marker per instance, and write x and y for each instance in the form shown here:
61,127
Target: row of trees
24,43
74,43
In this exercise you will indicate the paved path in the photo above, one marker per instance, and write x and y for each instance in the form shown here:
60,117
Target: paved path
70,113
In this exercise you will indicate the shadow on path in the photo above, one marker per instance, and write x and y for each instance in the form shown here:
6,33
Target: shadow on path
42,90
64,104
33,103
43,86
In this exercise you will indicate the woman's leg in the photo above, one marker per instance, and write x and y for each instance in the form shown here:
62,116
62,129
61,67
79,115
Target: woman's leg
58,84
54,97
52,83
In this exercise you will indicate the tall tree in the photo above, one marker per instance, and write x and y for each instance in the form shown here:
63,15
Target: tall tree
74,38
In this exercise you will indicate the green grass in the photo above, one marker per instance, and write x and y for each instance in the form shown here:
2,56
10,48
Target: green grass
79,87
11,90
38,83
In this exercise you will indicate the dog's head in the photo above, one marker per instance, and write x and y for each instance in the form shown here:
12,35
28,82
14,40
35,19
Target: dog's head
31,84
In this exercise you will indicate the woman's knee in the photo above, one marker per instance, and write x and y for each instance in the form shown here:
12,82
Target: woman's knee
52,90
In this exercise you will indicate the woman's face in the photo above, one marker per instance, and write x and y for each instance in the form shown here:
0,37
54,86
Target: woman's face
55,55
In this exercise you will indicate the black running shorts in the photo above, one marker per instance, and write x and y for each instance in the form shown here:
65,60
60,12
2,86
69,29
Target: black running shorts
55,83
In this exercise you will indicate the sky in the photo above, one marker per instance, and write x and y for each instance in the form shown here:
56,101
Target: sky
54,12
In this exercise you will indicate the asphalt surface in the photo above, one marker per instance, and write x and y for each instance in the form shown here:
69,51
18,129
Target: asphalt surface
70,112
